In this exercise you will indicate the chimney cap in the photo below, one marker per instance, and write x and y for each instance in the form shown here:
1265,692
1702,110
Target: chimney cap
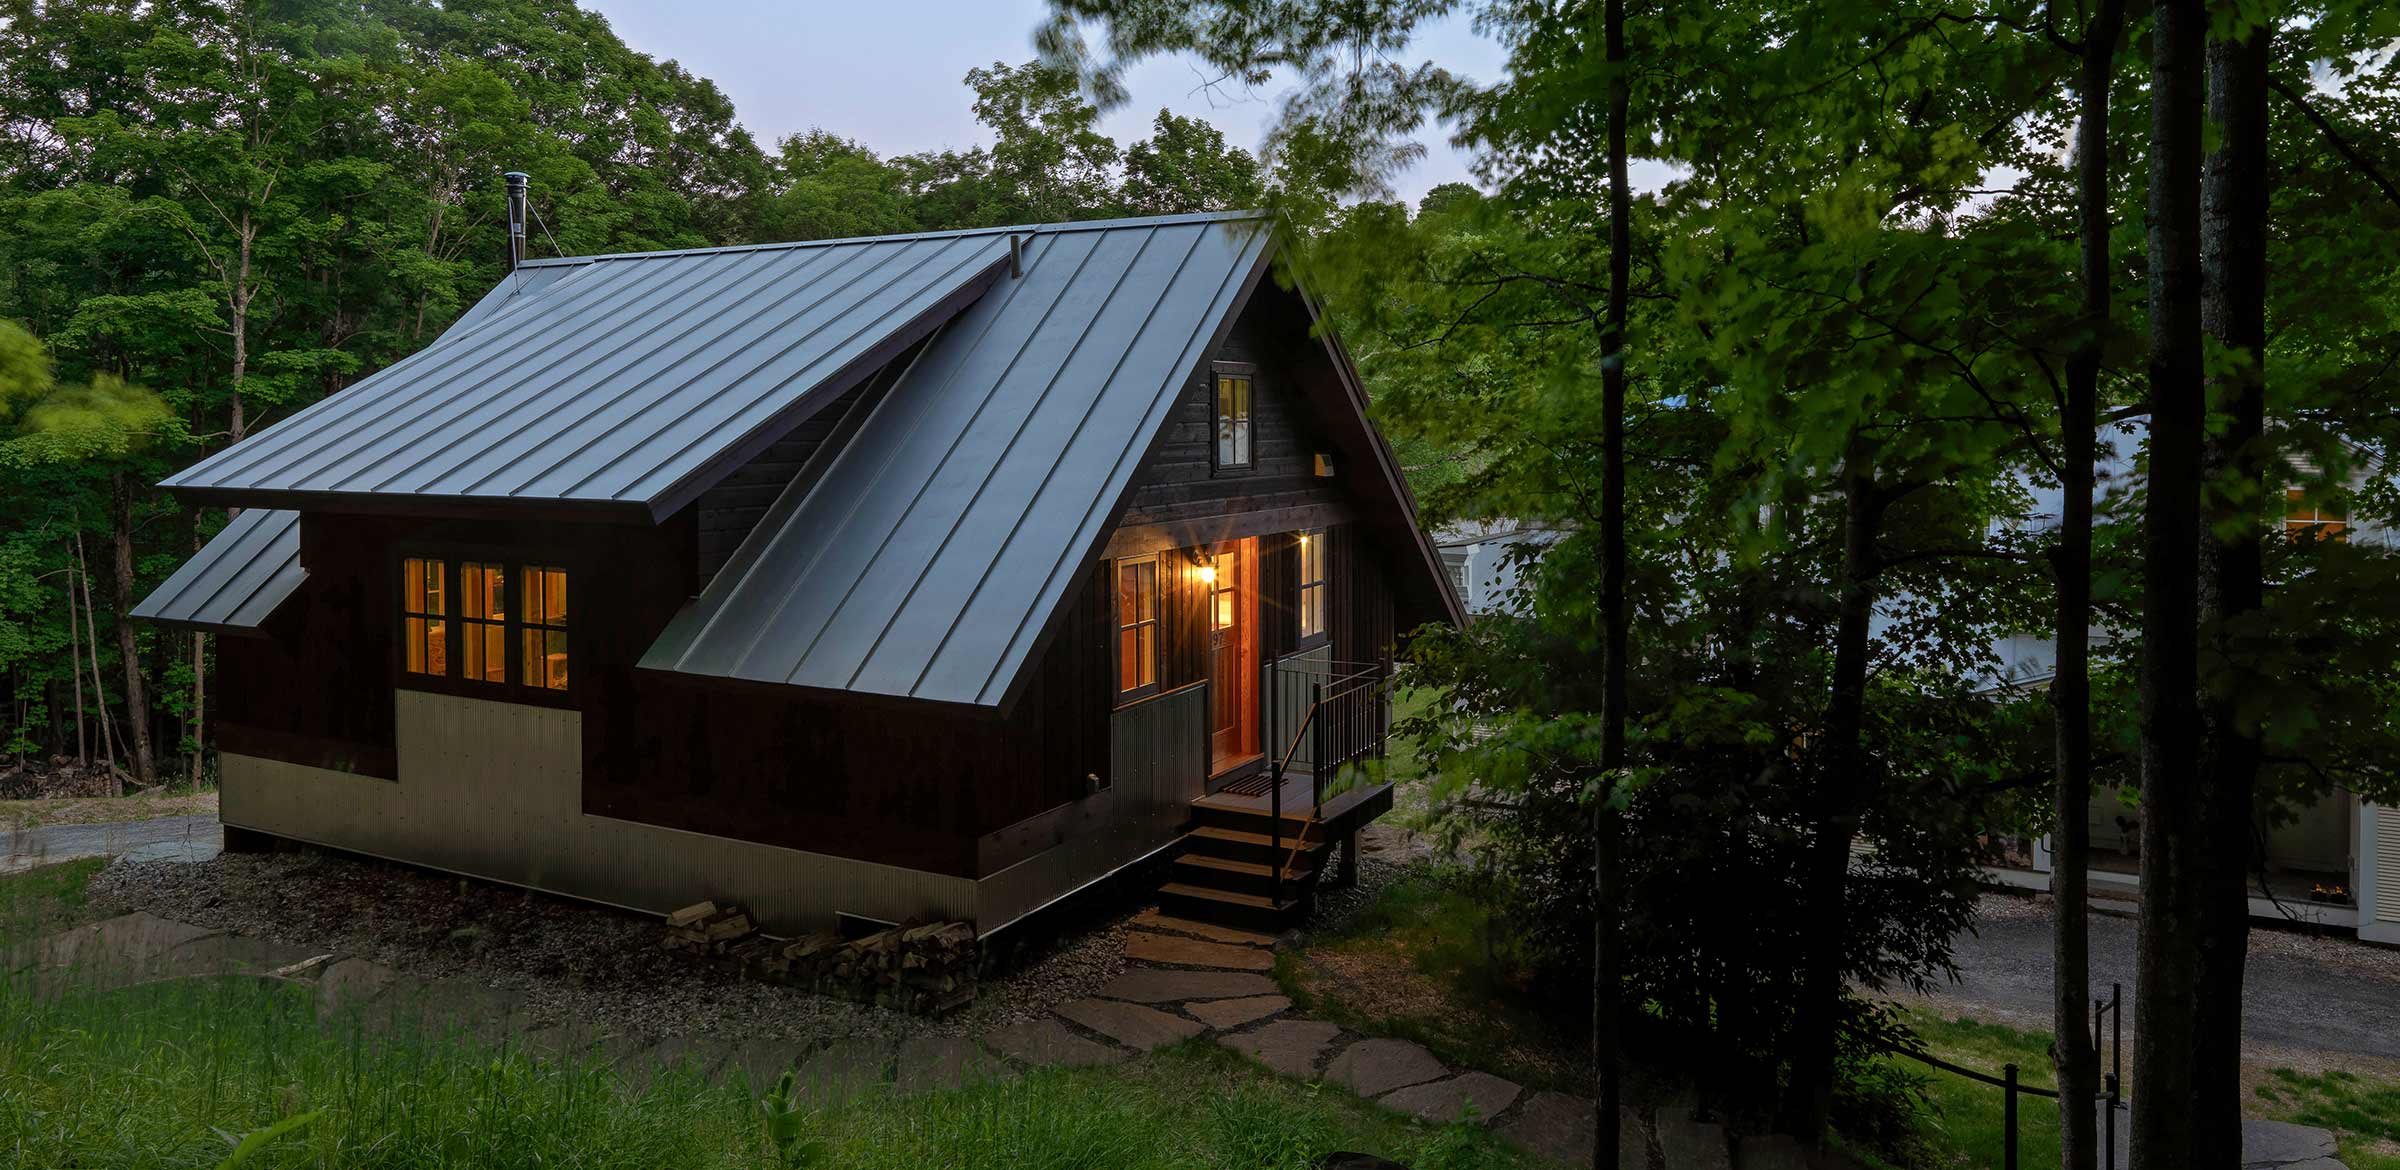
516,176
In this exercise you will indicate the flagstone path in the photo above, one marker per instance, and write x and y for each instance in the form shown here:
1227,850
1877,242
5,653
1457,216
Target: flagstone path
1186,980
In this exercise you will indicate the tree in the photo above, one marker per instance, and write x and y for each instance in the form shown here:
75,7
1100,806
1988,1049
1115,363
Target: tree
1185,166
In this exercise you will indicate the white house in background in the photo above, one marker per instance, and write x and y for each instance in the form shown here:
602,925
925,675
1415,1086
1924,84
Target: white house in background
2330,866
1482,566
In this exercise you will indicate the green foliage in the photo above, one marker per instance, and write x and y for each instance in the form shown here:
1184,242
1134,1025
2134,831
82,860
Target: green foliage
148,1075
46,898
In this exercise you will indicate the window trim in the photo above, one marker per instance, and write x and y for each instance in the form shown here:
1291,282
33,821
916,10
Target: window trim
1302,638
1156,622
1217,372
513,560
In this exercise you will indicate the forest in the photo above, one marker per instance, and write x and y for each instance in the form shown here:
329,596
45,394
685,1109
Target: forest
1954,323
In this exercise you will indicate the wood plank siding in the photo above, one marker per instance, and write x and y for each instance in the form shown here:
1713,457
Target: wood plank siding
732,508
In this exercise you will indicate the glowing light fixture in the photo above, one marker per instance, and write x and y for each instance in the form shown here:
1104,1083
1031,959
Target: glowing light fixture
1208,574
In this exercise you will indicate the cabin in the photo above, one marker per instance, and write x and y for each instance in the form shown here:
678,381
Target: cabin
927,577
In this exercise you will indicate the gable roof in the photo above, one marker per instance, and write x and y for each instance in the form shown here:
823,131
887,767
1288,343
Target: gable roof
926,557
236,580
625,383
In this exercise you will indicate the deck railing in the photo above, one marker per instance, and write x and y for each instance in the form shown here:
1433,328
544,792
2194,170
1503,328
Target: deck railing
1343,726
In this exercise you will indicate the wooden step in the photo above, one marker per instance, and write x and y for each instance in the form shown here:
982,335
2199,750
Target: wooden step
1246,911
1227,873
1295,824
1257,848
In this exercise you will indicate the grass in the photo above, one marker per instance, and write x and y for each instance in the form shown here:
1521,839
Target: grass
46,898
172,1074
2363,1113
1962,1123
1424,963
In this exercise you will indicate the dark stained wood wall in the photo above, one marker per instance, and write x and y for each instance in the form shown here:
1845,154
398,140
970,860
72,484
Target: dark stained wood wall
1179,482
730,510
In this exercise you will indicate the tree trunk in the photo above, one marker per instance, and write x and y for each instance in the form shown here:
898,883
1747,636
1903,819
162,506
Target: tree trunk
239,298
1607,981
2233,309
1839,797
83,743
91,644
137,696
2174,851
2072,1054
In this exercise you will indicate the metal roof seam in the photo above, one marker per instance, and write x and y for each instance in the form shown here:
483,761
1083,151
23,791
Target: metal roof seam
767,277
873,324
1153,419
435,357
553,382
249,545
1027,229
356,414
725,584
1017,525
835,610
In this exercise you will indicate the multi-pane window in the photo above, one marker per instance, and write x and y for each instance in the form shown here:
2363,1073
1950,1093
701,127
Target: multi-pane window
2306,518
424,616
1234,448
459,620
483,621
545,627
1312,584
1137,625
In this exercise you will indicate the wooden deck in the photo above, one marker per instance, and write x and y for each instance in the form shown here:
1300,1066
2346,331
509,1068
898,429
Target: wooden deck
1343,813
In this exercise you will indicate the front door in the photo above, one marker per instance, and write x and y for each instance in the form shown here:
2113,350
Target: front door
1232,577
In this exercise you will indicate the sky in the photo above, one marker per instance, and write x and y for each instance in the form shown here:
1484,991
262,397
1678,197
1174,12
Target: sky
891,74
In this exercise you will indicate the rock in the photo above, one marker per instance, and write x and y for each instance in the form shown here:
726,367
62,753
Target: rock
1048,1042
1154,920
1699,1145
2273,1145
1371,1068
172,852
1559,1126
1290,1047
1221,1014
945,1062
1132,1025
1152,985
845,1069
1192,952
1442,1102
349,985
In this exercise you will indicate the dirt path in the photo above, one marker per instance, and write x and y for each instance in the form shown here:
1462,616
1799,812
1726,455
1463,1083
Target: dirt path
101,810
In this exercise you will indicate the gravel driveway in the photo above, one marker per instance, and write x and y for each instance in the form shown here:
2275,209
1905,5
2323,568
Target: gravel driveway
2304,996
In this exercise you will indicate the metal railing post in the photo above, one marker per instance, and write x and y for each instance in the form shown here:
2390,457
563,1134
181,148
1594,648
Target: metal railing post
2008,1117
1316,746
1275,834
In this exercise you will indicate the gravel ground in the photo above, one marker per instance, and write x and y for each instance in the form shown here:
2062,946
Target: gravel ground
571,960
2312,1001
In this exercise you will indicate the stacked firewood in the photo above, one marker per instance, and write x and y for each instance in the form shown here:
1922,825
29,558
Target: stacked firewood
705,928
927,969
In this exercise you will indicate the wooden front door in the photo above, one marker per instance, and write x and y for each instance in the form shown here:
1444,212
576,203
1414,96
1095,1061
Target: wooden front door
1233,655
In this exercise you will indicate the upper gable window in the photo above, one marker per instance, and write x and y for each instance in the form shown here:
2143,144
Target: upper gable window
1235,441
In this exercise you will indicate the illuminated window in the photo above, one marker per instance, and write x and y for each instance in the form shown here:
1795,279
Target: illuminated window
483,622
1233,421
1137,625
1312,584
2304,518
425,626
544,631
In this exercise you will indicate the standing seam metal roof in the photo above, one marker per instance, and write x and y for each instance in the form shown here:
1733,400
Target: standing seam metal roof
928,557
622,380
236,580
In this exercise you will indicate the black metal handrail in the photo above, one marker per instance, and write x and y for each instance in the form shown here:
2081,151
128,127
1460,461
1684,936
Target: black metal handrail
2007,1082
1339,741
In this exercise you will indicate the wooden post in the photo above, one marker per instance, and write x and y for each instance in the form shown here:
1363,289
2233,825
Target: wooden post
1349,873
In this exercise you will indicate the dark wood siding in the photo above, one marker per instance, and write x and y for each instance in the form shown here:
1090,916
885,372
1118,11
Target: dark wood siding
1360,621
730,510
1179,483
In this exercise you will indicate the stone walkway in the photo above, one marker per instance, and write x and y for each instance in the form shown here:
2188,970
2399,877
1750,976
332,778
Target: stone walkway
1187,979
